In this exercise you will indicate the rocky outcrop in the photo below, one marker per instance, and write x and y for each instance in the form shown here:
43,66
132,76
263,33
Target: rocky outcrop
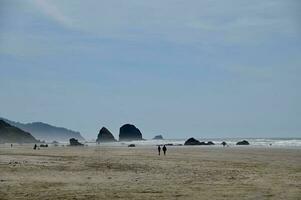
224,143
244,142
129,132
12,134
158,137
210,143
131,145
192,141
74,142
105,135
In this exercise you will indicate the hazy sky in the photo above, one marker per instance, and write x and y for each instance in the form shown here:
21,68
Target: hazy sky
204,68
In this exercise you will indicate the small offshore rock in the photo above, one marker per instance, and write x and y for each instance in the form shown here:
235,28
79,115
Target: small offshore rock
244,142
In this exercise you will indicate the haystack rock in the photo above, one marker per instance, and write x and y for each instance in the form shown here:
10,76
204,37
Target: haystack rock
244,142
192,141
105,135
158,137
129,132
74,142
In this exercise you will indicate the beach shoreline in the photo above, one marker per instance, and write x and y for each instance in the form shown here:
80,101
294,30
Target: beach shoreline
119,172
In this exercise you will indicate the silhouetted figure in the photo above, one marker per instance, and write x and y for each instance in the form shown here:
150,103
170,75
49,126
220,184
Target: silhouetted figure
164,149
159,150
11,145
224,144
35,146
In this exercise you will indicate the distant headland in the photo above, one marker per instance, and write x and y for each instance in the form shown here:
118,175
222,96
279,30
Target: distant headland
46,132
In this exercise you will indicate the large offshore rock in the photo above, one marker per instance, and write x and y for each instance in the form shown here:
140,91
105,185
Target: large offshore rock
105,135
129,132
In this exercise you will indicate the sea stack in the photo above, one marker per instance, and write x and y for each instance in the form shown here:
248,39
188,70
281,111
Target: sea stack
158,137
129,132
74,142
105,135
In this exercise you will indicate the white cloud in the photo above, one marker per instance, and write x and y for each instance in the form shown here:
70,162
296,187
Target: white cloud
54,12
209,22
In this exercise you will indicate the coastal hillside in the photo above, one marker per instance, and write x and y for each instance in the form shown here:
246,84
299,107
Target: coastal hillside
47,132
12,134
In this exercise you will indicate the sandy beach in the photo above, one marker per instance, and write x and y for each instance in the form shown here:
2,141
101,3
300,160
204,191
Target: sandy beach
139,173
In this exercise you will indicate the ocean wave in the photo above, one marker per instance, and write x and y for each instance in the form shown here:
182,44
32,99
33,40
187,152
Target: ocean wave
258,142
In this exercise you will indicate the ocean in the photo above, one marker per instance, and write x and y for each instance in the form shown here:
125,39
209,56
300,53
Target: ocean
256,142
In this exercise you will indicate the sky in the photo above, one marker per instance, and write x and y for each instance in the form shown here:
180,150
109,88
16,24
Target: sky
180,68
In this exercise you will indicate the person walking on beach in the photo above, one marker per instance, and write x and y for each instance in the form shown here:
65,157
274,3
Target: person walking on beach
159,150
224,144
35,146
164,149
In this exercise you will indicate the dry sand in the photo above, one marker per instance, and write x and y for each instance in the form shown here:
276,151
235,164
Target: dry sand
139,173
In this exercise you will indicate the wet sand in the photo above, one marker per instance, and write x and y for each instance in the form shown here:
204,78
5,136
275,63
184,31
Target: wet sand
139,173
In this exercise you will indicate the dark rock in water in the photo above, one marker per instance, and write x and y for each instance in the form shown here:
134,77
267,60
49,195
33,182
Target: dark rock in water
207,143
169,144
43,145
224,143
12,134
105,135
131,145
129,132
74,142
244,142
158,137
192,141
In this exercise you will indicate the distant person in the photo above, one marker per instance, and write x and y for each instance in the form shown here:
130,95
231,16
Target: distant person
159,150
164,149
35,146
224,144
11,145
